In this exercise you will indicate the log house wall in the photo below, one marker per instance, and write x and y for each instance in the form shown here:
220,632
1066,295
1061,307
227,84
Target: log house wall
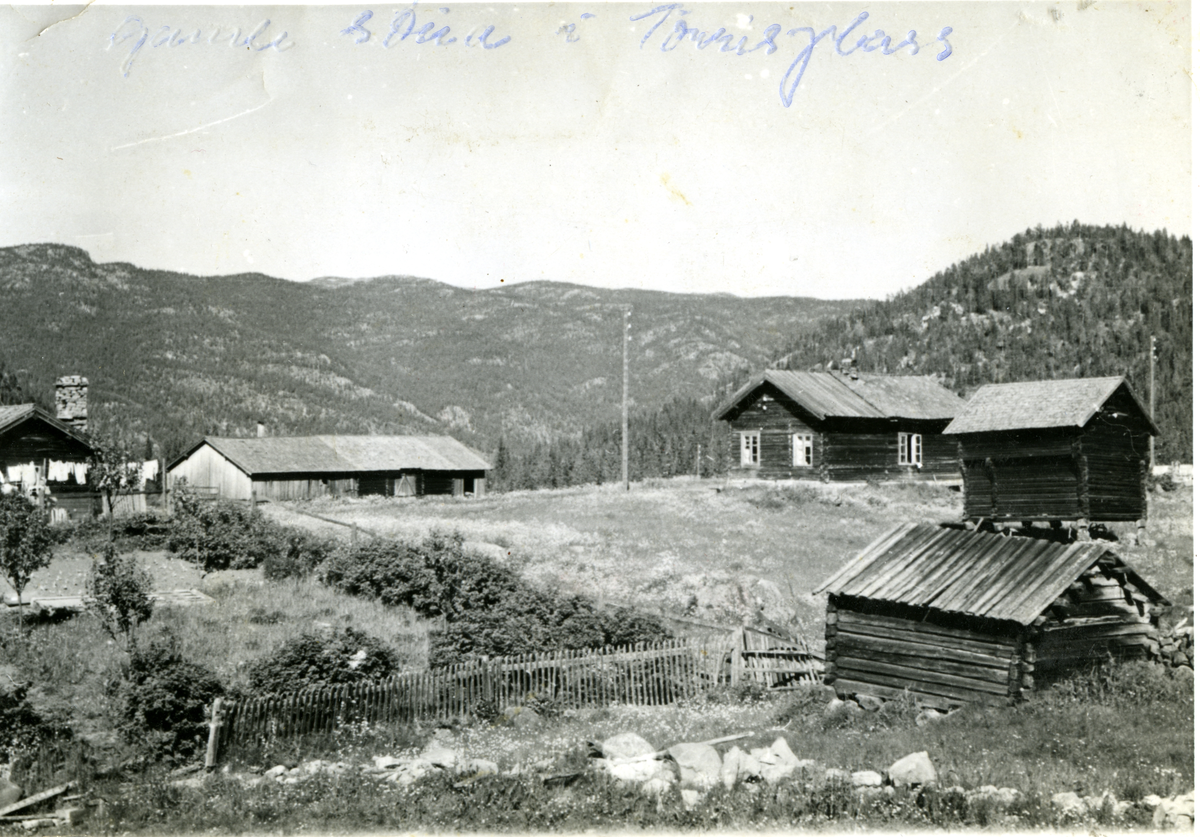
881,649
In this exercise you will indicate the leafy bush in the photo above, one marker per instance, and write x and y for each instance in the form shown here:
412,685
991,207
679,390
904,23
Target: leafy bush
301,557
315,660
488,609
222,534
118,590
165,700
1123,684
25,542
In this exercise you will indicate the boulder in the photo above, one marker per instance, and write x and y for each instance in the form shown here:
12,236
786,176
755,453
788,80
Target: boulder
635,772
866,779
482,767
627,745
275,772
439,755
739,766
699,765
777,761
913,769
1068,806
869,702
838,708
690,797
990,795
1176,813
386,762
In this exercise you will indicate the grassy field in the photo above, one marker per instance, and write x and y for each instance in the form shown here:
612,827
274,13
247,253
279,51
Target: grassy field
723,552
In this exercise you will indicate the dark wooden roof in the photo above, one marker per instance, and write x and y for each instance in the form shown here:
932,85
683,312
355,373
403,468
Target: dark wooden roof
343,454
1071,402
13,414
972,573
827,394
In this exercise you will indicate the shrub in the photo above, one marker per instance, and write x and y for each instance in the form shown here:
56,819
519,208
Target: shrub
488,609
315,660
304,552
165,699
118,590
22,728
222,534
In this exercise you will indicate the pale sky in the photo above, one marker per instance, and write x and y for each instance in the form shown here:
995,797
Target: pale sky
591,156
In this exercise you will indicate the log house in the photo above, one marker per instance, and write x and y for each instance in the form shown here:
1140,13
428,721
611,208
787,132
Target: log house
841,427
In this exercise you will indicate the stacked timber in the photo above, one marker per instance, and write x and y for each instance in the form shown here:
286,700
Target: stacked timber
937,662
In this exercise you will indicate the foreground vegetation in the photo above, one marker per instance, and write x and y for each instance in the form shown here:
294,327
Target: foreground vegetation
1127,731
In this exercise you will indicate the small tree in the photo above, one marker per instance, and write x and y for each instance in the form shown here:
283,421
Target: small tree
112,471
25,542
118,591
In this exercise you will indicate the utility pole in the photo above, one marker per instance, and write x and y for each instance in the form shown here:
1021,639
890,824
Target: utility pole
625,336
1152,402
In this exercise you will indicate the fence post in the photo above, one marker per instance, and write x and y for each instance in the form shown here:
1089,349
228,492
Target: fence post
214,736
354,533
735,658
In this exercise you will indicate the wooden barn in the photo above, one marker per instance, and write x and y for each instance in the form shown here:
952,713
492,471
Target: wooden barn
307,467
954,616
1069,450
841,426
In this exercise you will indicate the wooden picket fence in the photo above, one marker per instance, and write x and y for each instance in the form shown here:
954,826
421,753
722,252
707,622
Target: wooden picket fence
642,675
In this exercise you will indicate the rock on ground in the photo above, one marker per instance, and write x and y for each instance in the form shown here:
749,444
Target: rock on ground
699,765
913,769
776,762
1176,813
1068,806
627,745
866,779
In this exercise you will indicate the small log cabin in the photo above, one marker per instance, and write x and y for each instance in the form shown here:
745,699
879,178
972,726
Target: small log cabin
955,616
1069,450
841,426
307,467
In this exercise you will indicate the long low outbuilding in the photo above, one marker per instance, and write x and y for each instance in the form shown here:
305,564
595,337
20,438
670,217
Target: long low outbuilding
308,467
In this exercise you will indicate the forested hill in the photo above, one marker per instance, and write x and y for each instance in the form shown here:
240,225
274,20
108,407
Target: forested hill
1068,302
176,356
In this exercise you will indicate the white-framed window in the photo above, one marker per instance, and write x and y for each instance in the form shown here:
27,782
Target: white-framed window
909,445
750,448
802,450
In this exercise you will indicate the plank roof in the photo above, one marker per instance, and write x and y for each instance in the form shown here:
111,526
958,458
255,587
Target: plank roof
971,573
829,394
344,454
1029,405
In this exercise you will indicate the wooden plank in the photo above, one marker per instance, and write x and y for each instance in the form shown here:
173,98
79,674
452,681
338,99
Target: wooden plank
918,632
965,695
851,617
846,687
921,647
28,801
919,676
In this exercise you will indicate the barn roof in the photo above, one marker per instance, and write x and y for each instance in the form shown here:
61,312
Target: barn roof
971,573
13,414
826,394
1070,402
343,454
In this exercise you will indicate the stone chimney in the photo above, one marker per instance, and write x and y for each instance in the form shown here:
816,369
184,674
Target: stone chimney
70,401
